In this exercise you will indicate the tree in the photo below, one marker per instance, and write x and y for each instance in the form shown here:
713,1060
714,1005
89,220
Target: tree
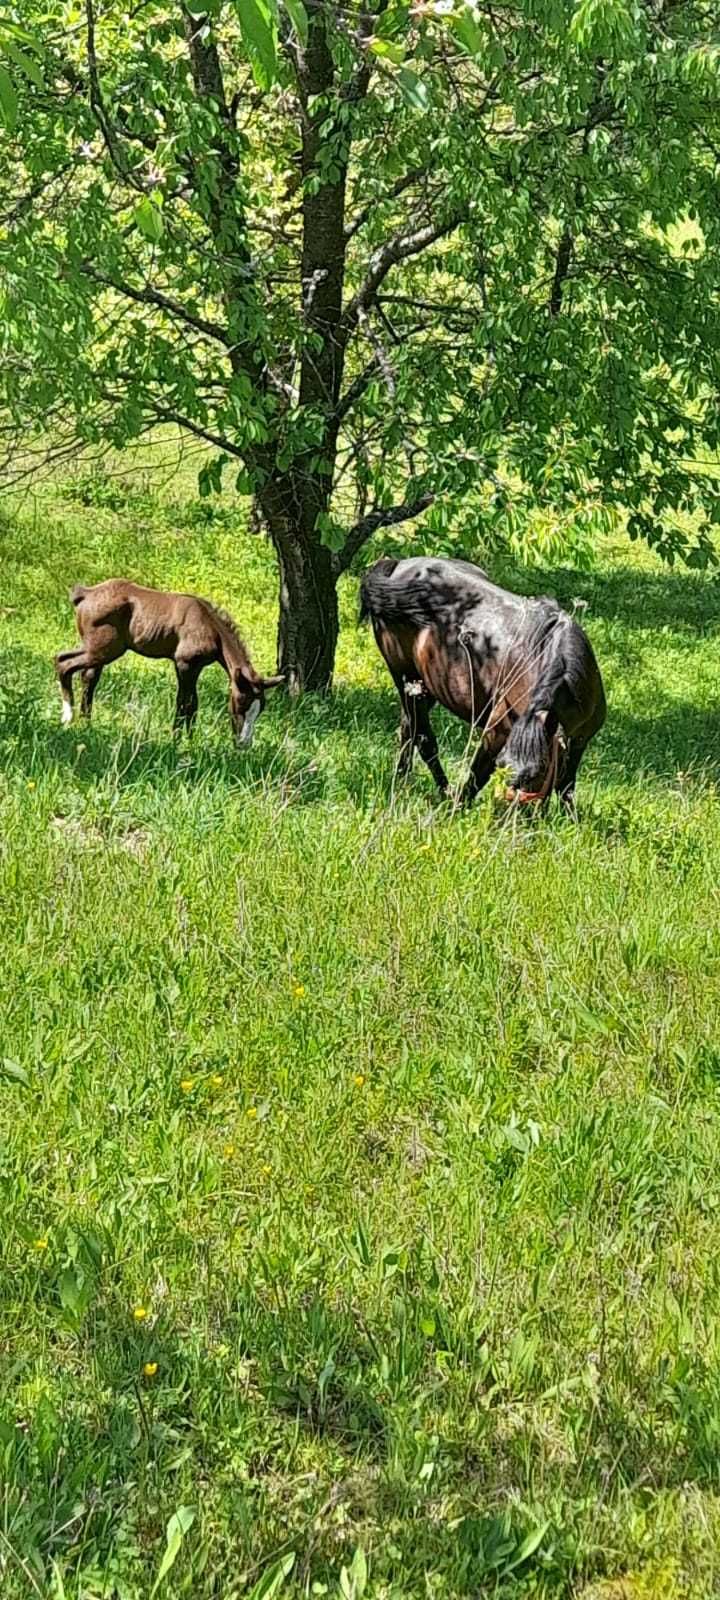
382,260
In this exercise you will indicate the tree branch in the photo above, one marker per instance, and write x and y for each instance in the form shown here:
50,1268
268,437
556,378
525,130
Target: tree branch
562,267
362,530
97,103
164,414
398,188
164,302
389,255
356,390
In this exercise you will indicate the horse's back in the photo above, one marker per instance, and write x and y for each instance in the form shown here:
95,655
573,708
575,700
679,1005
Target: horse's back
418,591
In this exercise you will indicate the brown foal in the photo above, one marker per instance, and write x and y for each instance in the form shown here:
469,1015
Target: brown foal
116,616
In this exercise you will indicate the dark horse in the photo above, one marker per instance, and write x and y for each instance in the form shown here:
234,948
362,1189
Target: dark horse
116,616
521,671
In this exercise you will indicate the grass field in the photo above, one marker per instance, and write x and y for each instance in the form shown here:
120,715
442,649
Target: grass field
360,1183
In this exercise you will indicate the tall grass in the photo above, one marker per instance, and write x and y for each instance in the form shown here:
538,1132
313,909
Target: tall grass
359,1161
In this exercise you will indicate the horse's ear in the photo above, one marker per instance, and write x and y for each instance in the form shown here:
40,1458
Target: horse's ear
274,682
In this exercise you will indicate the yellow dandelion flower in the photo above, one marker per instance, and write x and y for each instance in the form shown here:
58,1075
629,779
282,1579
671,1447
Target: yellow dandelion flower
252,1112
228,1150
359,1080
217,1080
140,1313
266,1170
298,991
186,1084
149,1369
40,1244
32,784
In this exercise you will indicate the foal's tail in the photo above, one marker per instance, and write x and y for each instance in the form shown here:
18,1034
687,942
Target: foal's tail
77,594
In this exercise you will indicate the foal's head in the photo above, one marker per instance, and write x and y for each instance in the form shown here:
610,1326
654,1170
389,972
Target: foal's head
247,700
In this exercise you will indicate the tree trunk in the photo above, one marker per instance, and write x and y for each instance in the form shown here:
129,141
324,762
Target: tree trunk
308,619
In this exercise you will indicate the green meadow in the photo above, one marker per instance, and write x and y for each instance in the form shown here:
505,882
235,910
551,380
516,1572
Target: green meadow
358,1158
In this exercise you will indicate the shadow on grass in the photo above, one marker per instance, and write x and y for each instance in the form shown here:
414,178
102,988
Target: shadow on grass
395,1456
685,602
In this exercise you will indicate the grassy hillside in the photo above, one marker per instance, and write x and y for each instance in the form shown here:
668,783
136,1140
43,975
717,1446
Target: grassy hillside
359,1165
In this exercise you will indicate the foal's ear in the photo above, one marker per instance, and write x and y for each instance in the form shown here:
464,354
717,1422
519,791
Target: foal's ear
274,682
245,682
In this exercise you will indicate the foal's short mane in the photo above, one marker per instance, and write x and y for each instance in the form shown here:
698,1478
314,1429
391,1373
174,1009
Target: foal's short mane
227,626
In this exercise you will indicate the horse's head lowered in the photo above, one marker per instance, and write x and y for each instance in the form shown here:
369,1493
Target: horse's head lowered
532,759
247,700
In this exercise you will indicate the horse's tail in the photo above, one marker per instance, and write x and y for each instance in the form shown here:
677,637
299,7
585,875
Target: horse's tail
77,593
374,593
383,601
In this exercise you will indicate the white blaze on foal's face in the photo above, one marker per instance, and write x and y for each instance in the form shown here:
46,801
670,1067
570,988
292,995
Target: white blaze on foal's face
245,736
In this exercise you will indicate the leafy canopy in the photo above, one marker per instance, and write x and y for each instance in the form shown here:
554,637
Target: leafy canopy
527,325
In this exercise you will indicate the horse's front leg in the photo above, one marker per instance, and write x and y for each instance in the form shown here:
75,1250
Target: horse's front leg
186,703
566,782
483,766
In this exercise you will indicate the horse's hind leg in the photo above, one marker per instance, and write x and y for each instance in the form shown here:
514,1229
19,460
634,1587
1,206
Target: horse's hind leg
407,739
90,680
427,745
407,727
66,664
416,733
100,646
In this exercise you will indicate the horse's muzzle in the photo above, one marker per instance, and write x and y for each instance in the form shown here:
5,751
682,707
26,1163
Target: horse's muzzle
523,797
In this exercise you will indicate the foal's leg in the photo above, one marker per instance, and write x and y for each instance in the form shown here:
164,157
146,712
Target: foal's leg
100,646
186,704
67,663
90,680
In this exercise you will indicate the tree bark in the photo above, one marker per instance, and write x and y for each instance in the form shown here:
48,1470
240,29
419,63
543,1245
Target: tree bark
308,610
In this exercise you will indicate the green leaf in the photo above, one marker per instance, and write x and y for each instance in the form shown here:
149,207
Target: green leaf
332,534
25,63
273,1578
414,91
175,1532
385,47
467,31
70,1288
210,476
8,100
148,218
529,1545
298,17
353,1580
13,1070
259,31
